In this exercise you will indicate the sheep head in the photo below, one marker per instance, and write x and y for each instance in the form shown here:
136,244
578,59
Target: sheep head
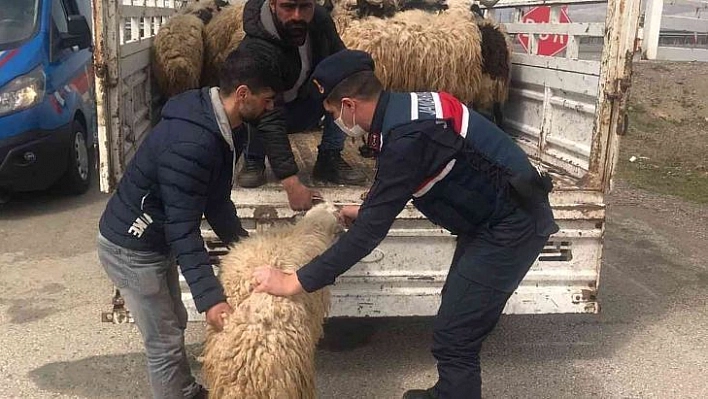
324,217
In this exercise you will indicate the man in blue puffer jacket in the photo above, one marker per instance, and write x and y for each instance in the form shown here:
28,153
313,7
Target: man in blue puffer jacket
183,170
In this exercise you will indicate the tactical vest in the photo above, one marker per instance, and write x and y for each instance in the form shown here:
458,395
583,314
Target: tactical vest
489,175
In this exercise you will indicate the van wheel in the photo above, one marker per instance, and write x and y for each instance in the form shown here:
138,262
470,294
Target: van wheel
77,178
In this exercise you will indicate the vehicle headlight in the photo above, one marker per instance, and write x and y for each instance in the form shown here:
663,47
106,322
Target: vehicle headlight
22,92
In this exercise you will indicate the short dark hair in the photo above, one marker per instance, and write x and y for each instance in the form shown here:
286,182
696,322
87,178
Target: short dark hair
250,68
362,85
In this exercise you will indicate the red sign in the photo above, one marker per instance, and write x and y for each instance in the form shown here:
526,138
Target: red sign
548,44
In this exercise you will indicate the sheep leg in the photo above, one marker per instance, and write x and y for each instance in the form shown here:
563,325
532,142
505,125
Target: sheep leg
498,116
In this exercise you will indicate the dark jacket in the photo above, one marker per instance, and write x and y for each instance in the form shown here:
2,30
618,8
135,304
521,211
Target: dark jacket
324,41
462,172
182,170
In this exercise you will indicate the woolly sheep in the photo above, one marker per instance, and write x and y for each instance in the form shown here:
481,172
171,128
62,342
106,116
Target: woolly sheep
221,36
204,9
178,53
493,89
178,50
476,51
267,346
417,51
379,8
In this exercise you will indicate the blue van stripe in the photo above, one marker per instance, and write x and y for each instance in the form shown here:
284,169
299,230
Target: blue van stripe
5,57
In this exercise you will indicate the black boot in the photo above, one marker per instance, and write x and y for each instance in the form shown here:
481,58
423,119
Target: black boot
253,173
331,168
419,394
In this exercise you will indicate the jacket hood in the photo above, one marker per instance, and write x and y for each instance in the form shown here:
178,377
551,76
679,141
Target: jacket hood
254,25
201,107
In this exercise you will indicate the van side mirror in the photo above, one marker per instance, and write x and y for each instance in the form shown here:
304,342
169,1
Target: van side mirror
79,33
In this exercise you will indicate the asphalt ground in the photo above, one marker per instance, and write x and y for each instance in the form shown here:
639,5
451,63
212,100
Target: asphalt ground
649,341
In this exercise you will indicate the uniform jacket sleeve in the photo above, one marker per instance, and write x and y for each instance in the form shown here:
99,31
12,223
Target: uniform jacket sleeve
399,173
184,172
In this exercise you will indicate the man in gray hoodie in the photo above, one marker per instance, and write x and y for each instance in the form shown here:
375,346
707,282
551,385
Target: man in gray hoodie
295,35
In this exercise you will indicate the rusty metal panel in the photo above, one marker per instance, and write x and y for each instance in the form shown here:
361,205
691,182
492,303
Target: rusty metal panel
622,22
404,275
107,70
124,31
567,111
552,100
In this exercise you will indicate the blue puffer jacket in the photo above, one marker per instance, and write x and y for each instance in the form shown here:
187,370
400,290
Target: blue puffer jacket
182,170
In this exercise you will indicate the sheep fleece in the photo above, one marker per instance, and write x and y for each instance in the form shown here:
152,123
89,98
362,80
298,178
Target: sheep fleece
267,346
221,36
442,62
178,52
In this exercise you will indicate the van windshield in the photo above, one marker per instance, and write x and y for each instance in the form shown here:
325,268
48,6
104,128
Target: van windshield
18,21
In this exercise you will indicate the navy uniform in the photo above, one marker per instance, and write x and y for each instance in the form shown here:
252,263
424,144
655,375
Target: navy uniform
464,174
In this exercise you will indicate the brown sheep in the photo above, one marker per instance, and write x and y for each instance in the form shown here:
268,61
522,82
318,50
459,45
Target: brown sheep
178,54
379,8
419,51
476,70
178,50
267,346
204,9
493,90
221,36
476,51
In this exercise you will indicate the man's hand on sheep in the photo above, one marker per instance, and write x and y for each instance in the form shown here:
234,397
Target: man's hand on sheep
216,314
276,282
299,196
348,214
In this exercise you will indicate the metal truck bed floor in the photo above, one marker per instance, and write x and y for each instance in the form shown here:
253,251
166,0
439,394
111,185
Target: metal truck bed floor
304,147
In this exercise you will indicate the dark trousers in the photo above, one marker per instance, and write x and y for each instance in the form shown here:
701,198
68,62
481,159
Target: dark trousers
302,115
485,271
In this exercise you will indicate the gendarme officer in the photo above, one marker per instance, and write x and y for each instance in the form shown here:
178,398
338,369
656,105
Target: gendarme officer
464,174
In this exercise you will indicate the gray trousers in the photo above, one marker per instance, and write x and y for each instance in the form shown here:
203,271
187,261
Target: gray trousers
149,283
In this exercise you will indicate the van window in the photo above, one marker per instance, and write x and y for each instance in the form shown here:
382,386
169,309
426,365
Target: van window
59,16
61,9
18,21
84,8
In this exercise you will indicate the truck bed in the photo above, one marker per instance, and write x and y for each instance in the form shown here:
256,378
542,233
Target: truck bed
403,276
566,110
304,147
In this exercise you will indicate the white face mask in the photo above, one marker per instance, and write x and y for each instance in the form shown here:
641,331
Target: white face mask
355,132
